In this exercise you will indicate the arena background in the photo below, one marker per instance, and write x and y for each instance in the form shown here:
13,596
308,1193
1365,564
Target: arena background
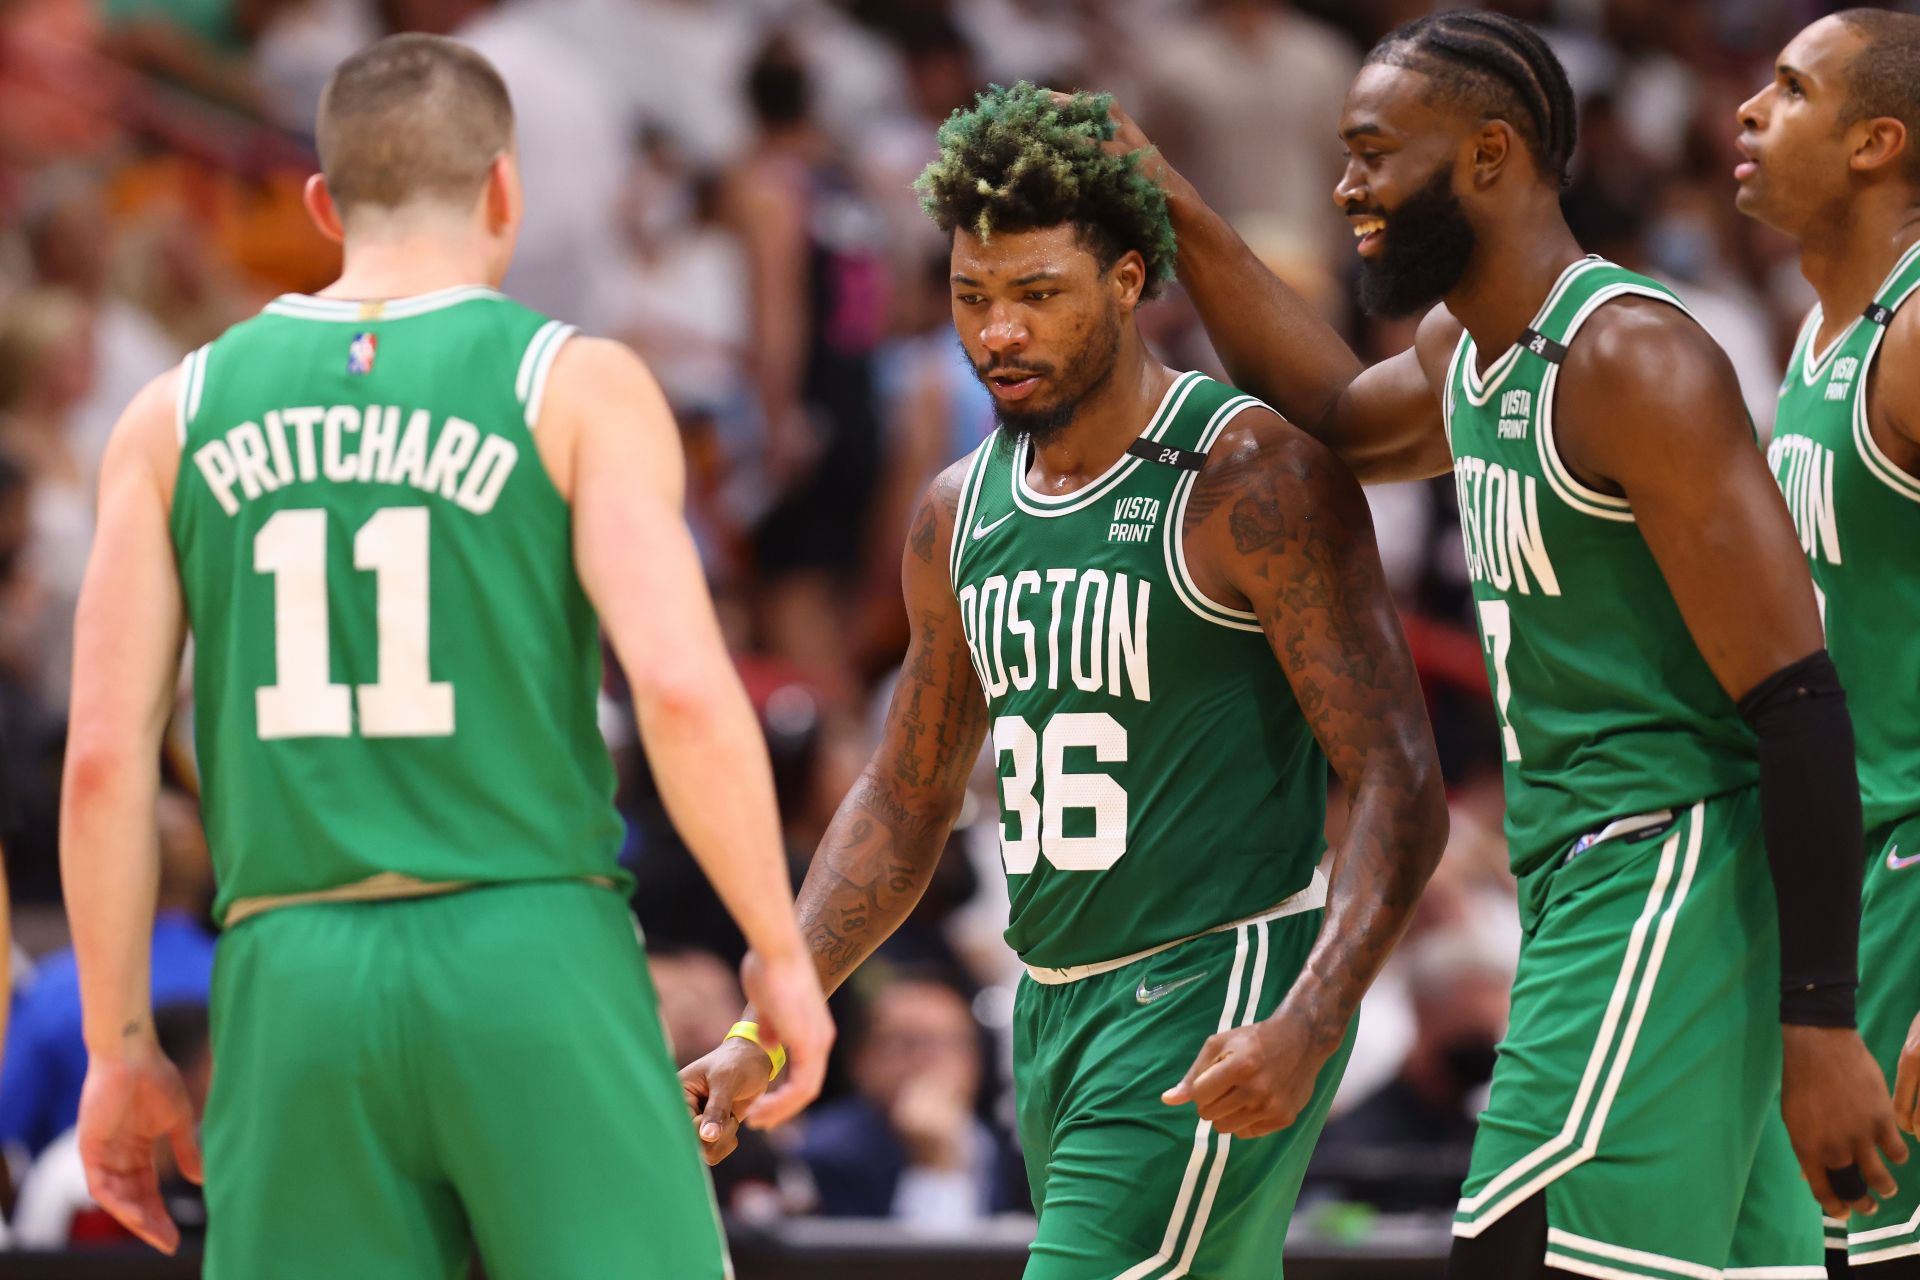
724,185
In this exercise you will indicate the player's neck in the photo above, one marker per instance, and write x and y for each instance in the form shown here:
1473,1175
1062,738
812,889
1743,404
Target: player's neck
1514,268
1847,259
1107,421
408,264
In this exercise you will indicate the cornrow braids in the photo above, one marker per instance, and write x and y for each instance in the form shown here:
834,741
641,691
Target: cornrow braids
1017,160
1501,67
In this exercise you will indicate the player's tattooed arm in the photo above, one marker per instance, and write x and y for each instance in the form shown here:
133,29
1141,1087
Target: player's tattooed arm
1277,525
881,848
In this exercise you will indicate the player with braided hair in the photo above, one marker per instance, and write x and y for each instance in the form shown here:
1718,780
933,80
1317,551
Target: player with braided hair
1162,605
1682,811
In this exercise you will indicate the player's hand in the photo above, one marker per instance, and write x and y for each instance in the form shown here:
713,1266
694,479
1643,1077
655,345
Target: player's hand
719,1088
1906,1083
1254,1080
1128,137
1837,1111
126,1106
792,1012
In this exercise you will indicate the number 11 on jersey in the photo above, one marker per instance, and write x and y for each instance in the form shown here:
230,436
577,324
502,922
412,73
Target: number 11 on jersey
303,701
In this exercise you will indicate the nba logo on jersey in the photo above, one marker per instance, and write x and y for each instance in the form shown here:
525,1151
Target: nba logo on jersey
360,353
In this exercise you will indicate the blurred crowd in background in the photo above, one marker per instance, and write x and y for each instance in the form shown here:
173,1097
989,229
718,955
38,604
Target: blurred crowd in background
724,184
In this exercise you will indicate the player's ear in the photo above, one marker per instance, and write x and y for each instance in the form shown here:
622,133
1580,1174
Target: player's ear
503,198
320,207
1128,278
1493,150
1877,143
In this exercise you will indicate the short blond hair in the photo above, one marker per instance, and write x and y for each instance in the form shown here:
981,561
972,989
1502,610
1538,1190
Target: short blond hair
412,118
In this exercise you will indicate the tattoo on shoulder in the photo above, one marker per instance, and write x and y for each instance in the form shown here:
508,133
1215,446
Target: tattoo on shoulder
920,540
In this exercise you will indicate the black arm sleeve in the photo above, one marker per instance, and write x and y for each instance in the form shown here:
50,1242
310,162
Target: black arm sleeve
1810,809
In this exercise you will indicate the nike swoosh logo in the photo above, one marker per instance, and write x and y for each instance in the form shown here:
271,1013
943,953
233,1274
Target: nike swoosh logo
1147,995
1895,862
982,529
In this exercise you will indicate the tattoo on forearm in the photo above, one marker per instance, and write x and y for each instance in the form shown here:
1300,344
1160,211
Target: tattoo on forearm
880,851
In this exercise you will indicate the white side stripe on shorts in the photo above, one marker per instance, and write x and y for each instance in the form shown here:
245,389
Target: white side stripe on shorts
1151,1267
1614,1043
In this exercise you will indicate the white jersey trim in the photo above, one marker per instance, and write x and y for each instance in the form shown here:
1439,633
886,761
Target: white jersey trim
193,378
1883,468
1811,367
542,366
968,502
1311,898
1174,534
1560,477
302,306
1481,389
1040,504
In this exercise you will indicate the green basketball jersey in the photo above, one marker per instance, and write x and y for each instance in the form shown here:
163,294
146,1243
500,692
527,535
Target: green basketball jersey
1157,777
1606,707
1858,515
396,671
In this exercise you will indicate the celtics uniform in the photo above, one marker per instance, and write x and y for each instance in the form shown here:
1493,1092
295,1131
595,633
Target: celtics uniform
430,1006
1162,811
1859,521
1638,1087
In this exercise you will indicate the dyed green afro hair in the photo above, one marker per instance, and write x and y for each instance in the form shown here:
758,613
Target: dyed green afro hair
1018,161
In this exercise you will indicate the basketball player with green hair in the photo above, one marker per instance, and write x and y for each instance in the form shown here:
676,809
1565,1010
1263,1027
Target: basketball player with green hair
1163,608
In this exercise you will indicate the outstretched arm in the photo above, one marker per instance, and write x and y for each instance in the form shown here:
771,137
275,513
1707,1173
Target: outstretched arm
610,440
1649,407
1383,421
128,635
1276,521
880,850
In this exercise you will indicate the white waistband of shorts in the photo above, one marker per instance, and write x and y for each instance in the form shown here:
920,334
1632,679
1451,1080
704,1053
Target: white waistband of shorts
1310,898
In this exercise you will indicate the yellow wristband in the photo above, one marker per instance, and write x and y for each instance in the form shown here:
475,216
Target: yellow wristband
750,1031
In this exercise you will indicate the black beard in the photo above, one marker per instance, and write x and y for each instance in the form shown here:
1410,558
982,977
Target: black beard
1429,243
1085,374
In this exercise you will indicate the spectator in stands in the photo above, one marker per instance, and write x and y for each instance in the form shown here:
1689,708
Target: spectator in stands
910,1144
1406,1147
56,1212
1253,78
817,270
46,371
46,1056
73,246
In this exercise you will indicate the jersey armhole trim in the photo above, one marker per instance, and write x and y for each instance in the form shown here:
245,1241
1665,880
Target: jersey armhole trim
193,381
530,386
1173,534
964,506
1884,469
1560,477
1453,373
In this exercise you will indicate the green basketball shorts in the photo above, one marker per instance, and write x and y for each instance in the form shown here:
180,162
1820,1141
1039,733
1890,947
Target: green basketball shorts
1638,1087
1889,998
1125,1186
397,1081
